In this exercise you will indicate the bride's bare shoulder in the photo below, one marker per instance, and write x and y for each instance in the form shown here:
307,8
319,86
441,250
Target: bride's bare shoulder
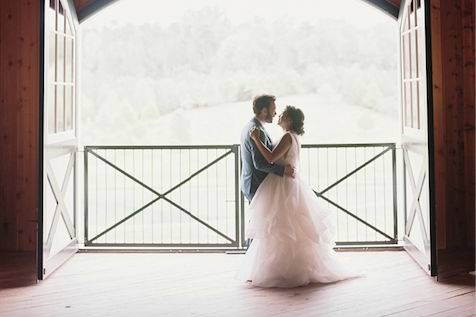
286,138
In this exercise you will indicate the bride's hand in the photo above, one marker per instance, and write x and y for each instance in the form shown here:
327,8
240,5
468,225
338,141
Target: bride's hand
254,133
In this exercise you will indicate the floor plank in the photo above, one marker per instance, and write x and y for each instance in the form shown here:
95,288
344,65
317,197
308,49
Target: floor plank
203,285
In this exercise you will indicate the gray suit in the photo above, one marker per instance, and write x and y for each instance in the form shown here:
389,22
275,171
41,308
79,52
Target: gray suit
254,166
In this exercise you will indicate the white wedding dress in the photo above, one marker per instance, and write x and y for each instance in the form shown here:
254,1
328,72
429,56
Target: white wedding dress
292,234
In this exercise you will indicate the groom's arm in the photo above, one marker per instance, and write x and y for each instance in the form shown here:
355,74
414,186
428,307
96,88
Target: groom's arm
260,162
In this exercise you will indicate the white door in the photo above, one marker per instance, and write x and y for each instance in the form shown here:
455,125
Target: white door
415,132
58,220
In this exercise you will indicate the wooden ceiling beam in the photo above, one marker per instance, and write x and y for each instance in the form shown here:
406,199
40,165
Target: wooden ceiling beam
86,8
390,7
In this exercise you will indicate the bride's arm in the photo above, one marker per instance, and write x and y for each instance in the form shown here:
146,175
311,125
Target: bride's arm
277,152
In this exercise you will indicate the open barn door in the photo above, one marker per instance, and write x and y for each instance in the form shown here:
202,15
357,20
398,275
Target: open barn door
415,133
58,237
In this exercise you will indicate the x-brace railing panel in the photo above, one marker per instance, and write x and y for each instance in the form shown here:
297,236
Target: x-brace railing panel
163,195
314,164
387,147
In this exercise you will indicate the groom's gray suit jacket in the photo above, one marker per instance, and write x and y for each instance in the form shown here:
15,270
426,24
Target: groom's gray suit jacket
254,166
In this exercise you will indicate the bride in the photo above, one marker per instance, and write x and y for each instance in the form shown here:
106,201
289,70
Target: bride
292,238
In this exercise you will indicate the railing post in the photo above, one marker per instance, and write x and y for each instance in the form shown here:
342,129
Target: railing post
86,204
404,192
242,210
240,203
395,201
237,194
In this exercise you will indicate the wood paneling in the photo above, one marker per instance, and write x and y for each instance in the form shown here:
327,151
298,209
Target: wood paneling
16,269
453,94
469,35
19,124
438,118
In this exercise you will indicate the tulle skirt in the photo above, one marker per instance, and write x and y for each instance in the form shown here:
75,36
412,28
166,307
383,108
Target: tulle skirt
292,238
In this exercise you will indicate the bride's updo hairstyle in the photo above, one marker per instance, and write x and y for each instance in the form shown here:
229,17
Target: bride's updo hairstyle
297,118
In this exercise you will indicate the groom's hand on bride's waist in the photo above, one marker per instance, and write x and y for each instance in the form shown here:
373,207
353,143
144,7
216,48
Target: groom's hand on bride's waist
289,171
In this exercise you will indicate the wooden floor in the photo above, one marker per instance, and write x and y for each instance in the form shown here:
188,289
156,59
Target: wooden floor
203,285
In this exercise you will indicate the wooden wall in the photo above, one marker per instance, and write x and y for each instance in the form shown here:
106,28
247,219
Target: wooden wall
19,124
453,58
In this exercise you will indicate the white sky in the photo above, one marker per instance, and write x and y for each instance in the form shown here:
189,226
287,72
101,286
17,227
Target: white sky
356,12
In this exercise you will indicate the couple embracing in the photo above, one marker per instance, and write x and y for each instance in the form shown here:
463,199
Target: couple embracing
292,239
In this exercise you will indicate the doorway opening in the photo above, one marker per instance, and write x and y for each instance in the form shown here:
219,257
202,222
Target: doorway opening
162,104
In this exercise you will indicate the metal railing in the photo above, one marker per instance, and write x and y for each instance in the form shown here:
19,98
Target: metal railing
168,196
188,197
358,182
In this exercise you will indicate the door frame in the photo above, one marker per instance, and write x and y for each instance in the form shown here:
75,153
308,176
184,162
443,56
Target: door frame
430,135
41,144
431,139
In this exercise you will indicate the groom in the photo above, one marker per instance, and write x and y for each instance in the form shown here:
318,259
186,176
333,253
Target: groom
255,167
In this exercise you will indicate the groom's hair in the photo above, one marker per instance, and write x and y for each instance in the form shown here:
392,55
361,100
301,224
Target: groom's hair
262,101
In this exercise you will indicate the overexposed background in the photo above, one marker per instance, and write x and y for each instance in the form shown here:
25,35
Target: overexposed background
185,72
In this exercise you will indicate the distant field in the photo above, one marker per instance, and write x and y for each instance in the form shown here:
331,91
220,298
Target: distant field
327,121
